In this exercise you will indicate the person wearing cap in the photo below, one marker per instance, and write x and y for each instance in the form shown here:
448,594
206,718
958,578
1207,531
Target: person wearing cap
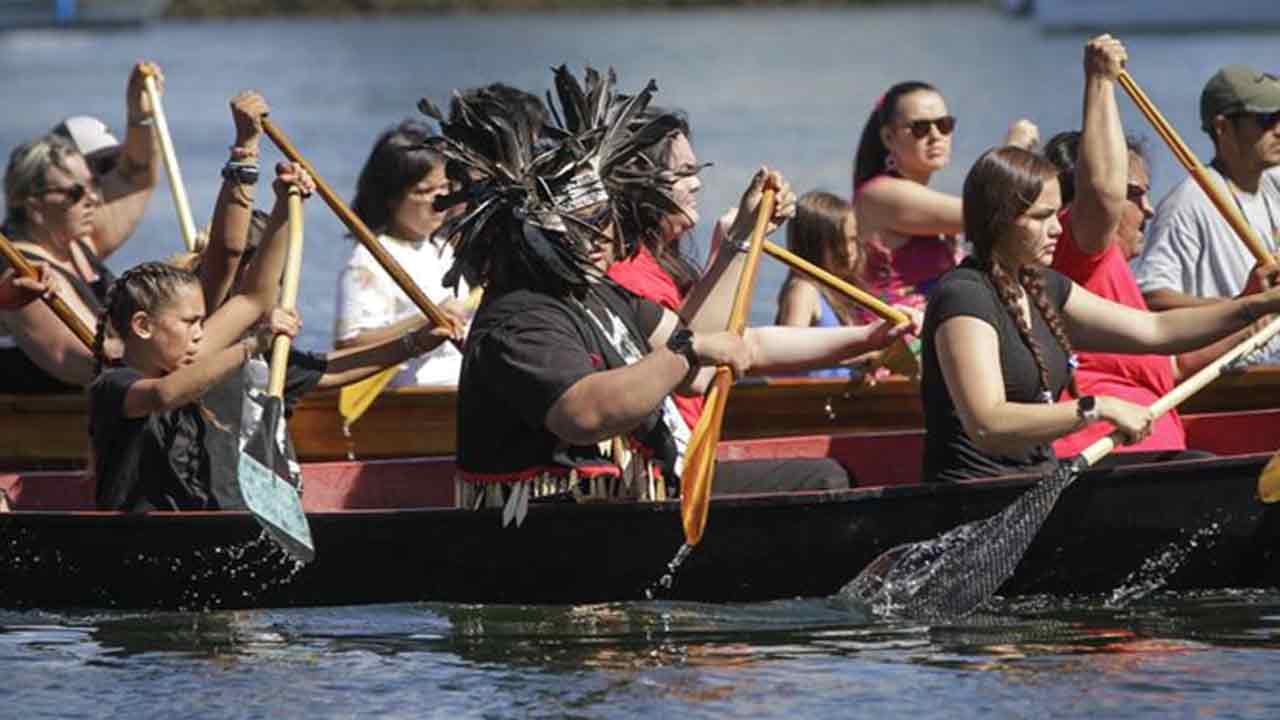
567,378
127,172
59,212
1192,256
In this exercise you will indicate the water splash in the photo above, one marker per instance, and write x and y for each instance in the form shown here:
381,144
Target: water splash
953,574
668,578
1157,569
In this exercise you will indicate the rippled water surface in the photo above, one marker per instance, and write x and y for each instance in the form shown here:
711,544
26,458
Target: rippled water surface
790,88
1164,656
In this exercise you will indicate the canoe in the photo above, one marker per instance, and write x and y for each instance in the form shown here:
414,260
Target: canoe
48,431
384,532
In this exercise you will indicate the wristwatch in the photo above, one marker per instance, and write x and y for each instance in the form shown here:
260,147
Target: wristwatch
681,343
1087,409
240,173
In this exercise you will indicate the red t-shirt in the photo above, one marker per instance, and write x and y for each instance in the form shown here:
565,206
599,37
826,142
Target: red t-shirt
643,276
1141,379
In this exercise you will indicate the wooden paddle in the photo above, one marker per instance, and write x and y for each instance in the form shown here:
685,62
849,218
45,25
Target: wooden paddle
1229,210
185,223
700,455
900,357
55,303
361,231
273,499
951,575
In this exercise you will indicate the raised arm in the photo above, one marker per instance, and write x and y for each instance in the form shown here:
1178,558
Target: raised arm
233,213
1102,169
710,301
262,281
907,207
189,382
128,187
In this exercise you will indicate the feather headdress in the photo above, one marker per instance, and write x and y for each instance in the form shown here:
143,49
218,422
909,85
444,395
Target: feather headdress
538,194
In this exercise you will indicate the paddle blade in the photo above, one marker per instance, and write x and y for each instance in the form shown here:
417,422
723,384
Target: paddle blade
951,575
903,357
1269,481
272,499
700,461
355,398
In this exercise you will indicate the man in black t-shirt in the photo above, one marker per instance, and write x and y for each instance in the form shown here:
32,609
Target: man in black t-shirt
559,359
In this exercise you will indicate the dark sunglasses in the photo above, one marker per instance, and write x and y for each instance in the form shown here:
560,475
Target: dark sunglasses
920,128
75,193
1266,121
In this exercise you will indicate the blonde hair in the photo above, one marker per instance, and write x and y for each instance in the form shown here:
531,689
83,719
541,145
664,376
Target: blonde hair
25,175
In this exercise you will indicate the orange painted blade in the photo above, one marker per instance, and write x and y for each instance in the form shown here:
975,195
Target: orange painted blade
700,460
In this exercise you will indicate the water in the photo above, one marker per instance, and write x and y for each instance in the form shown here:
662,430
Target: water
1168,656
787,87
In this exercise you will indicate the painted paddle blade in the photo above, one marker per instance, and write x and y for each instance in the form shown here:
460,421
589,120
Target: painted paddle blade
951,575
273,499
700,460
355,399
903,357
1269,481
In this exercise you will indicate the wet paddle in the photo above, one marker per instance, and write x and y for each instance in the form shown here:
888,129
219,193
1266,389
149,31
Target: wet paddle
55,303
361,231
185,223
273,499
1230,212
900,357
951,575
700,455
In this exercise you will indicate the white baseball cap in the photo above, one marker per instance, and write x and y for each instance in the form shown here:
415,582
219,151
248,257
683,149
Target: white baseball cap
89,134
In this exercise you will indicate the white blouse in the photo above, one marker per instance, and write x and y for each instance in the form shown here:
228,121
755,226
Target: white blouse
368,299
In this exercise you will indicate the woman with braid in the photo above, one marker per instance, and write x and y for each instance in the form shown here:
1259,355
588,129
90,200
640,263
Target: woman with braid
148,427
985,418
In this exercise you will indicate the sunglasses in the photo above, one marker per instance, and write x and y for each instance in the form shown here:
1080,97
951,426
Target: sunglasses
75,193
920,128
1266,121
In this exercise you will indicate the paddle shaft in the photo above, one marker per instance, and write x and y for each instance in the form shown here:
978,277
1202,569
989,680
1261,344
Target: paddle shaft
185,223
288,295
361,231
857,294
1230,212
55,303
1100,448
700,454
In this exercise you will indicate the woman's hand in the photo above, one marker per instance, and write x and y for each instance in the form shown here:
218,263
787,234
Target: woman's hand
291,174
18,291
136,100
1104,56
1133,421
1023,133
247,110
278,321
784,207
723,348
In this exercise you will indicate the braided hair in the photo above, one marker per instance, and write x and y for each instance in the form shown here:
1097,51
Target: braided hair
146,287
1002,185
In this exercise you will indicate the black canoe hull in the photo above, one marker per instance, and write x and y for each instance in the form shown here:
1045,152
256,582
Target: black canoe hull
1104,529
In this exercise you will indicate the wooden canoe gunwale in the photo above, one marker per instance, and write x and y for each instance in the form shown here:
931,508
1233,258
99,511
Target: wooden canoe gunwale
48,431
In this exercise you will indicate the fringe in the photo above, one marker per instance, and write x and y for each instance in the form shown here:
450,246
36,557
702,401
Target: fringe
638,481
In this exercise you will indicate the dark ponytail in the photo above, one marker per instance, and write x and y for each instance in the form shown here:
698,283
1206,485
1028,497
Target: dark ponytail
872,153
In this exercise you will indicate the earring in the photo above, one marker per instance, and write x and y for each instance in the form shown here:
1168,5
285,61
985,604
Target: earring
890,163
